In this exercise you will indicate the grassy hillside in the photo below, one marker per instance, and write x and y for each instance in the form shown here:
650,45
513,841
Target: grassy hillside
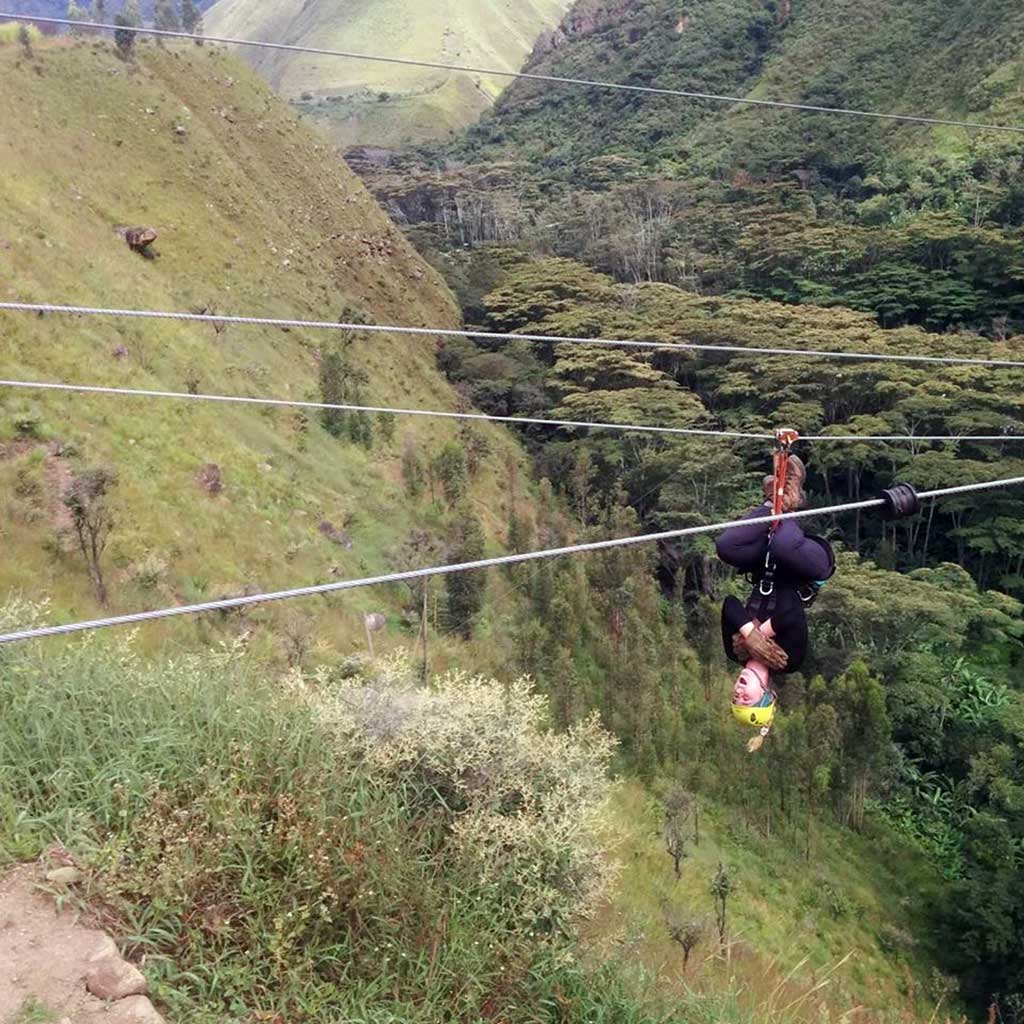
833,938
59,8
306,862
912,223
255,215
380,104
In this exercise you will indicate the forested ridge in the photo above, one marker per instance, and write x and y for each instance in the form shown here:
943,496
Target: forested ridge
584,212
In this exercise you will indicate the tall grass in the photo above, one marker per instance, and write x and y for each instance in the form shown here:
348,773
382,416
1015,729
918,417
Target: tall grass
256,864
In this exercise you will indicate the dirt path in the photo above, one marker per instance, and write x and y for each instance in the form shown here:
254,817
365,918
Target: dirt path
50,965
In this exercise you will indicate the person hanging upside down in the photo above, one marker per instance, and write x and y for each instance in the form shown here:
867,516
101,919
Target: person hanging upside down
769,633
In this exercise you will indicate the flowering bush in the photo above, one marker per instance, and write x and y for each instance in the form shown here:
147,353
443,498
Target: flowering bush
518,802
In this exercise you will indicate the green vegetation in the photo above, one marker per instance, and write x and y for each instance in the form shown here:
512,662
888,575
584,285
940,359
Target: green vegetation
916,225
34,1012
882,819
928,745
13,32
356,102
351,845
253,214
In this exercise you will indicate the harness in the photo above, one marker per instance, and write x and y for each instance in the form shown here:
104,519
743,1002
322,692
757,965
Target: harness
785,438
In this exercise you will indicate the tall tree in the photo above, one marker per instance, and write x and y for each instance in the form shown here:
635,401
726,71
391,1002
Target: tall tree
465,589
165,16
190,15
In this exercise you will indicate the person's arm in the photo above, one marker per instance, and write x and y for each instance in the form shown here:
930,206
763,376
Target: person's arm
807,557
743,547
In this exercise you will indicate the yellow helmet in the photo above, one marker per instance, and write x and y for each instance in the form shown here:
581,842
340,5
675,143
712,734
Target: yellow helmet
759,717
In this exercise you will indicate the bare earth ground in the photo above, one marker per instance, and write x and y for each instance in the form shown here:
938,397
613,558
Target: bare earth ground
46,957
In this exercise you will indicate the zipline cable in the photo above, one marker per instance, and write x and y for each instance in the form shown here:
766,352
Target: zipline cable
448,332
528,76
485,563
93,389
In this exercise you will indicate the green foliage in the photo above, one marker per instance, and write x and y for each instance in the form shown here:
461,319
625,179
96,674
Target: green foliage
465,590
342,383
76,12
191,15
916,226
852,733
449,467
123,39
249,856
32,1011
374,105
165,15
11,32
413,473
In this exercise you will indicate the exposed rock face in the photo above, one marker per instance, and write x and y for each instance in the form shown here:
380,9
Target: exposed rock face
583,19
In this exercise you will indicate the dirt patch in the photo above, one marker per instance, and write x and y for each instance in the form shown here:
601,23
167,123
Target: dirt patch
58,483
57,473
48,961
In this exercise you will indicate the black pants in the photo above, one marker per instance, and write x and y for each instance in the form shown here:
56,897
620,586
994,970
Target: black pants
789,622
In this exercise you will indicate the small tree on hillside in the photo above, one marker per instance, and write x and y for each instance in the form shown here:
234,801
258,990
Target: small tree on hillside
76,13
413,474
333,391
450,468
341,383
25,38
686,932
91,520
679,809
99,10
420,548
124,39
466,589
721,888
165,16
190,16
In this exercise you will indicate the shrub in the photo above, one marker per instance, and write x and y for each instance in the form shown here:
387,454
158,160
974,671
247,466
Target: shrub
150,572
412,471
522,803
449,466
17,32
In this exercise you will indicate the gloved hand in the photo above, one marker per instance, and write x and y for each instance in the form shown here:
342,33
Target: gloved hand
764,649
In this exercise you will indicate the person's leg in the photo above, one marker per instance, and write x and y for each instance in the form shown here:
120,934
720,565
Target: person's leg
788,627
734,617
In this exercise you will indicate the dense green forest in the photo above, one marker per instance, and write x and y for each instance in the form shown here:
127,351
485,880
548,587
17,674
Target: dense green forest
596,213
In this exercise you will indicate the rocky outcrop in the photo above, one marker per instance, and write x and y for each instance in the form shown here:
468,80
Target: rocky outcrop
51,962
584,19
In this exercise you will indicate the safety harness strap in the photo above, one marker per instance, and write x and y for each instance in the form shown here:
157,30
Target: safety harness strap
785,438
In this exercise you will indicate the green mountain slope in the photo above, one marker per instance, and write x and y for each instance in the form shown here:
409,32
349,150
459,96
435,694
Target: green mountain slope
960,60
382,104
254,216
916,224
